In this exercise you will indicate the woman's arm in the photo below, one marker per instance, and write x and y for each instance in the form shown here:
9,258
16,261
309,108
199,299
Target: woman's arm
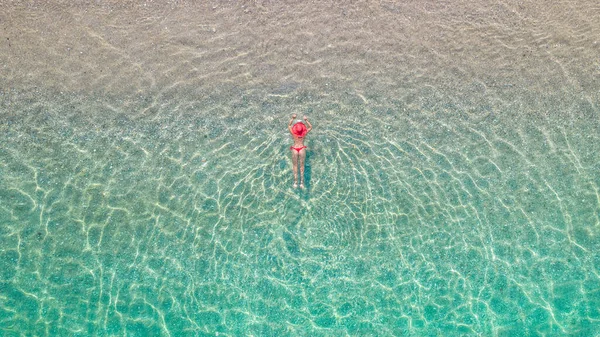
290,123
307,123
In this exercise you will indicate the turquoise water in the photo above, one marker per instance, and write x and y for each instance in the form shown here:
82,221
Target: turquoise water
146,183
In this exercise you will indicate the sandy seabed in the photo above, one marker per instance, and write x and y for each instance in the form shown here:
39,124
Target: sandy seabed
452,173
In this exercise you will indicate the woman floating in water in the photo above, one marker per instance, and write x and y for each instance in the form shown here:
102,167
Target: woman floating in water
298,131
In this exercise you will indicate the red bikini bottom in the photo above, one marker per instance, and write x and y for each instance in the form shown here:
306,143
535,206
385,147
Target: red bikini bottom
297,148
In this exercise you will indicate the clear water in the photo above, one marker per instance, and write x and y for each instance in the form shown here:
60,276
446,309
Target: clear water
452,174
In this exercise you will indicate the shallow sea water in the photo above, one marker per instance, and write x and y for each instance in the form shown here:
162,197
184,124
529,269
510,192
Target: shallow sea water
453,186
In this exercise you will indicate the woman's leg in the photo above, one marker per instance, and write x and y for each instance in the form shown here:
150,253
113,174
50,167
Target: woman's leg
302,155
295,167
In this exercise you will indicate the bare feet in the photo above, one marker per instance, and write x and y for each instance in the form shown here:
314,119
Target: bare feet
302,185
296,185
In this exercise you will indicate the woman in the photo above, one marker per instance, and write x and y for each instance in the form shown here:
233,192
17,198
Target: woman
299,131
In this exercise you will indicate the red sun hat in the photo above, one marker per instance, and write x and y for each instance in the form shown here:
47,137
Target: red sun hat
299,129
